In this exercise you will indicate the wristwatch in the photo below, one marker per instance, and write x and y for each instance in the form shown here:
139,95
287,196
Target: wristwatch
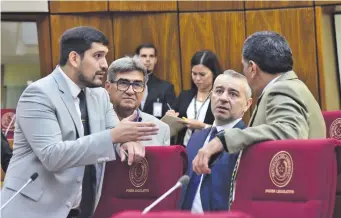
221,137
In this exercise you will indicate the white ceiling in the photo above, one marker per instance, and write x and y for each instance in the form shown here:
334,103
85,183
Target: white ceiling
24,6
19,43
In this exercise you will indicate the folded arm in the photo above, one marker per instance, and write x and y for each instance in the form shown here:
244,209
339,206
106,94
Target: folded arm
286,118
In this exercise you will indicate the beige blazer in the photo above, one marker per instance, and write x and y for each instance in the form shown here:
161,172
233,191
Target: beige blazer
286,110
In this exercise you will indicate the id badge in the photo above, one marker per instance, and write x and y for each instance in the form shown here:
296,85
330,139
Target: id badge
157,109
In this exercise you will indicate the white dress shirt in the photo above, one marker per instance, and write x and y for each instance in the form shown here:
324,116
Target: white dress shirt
202,108
197,206
270,84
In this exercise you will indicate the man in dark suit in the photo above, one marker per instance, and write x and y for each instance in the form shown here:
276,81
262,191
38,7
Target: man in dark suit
158,93
6,152
231,98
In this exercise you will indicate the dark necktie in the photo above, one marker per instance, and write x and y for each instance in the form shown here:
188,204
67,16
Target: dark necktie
89,180
195,181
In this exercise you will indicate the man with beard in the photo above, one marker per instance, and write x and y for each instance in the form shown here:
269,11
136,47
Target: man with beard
127,78
158,93
64,131
230,99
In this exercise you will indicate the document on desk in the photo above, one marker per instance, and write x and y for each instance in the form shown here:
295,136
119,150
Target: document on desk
174,123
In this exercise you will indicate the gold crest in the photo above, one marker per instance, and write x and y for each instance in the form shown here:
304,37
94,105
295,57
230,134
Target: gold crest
138,173
335,129
281,169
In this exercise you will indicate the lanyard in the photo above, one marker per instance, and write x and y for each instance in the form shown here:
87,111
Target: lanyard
196,114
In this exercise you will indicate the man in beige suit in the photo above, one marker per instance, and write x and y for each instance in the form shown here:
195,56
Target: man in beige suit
126,81
285,109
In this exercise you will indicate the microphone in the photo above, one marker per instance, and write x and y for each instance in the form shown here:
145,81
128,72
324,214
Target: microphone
31,179
184,180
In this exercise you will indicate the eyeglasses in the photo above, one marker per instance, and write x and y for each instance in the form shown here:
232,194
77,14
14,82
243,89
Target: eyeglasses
123,85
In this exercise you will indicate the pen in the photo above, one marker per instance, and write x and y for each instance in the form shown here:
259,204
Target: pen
169,106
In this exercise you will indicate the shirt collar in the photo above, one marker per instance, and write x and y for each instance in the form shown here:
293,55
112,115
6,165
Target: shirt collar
270,84
229,125
74,88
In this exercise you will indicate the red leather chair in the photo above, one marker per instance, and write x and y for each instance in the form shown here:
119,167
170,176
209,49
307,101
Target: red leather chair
135,187
333,127
168,214
333,123
288,178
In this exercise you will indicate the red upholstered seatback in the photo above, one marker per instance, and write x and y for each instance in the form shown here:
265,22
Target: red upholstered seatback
135,187
333,123
169,214
333,127
288,179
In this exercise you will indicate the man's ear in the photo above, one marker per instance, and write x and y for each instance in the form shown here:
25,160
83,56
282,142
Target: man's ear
248,104
254,69
74,59
155,59
107,86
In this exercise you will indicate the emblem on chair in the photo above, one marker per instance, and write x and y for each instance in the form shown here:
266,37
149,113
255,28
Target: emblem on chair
335,129
138,173
7,122
281,169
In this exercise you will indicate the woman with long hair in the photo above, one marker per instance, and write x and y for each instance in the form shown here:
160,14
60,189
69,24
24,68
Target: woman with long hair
194,105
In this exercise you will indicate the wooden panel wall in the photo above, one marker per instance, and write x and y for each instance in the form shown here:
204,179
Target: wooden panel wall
159,29
221,32
43,27
297,26
60,23
210,5
276,4
142,6
77,6
179,28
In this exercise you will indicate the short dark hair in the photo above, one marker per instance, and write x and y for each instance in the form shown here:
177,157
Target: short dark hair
270,51
209,60
145,45
79,39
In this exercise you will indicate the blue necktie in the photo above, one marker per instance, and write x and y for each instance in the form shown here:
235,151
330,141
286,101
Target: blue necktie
195,181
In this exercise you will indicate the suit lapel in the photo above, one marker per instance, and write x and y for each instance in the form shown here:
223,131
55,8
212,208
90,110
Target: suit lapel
285,76
192,149
68,100
149,101
195,146
92,111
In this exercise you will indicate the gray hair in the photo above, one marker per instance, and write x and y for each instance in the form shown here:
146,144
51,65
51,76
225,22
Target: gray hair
125,65
234,74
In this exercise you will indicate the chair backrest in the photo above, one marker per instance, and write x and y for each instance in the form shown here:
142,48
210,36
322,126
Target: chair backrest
135,187
288,178
182,214
333,123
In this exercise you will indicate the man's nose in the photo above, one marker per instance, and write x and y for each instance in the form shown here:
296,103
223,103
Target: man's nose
224,97
104,64
130,90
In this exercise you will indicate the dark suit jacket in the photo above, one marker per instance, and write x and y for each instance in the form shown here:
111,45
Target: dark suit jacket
215,187
158,89
6,152
181,104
